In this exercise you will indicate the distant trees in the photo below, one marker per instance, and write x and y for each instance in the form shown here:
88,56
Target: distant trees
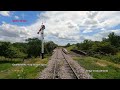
4,48
114,39
34,47
103,48
22,46
108,45
31,48
49,46
9,51
86,45
67,45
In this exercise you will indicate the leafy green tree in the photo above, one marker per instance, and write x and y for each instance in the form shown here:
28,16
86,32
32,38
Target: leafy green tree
4,46
104,48
67,45
33,47
86,45
14,52
21,46
114,39
50,46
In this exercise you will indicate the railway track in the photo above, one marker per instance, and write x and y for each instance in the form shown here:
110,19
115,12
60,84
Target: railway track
56,68
67,66
62,66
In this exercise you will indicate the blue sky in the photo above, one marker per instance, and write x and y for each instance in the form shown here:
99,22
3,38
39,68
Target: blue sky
62,27
29,16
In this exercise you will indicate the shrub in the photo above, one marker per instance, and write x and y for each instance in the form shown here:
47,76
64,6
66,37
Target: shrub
97,56
115,59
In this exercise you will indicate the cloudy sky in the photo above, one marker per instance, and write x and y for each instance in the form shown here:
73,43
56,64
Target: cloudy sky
62,27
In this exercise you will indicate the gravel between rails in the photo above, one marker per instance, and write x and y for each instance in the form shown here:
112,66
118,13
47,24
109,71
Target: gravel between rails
63,71
81,72
47,73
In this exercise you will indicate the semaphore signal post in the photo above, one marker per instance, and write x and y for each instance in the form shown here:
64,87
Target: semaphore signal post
42,35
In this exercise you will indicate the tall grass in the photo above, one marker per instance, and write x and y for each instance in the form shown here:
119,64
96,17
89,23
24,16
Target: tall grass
91,63
8,71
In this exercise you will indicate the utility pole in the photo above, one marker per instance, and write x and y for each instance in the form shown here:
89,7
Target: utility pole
42,35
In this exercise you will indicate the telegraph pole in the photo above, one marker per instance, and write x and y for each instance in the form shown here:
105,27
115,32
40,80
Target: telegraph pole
42,35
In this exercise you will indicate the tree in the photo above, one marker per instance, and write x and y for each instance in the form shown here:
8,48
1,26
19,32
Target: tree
86,45
78,45
104,48
4,46
14,52
31,48
9,51
34,47
114,39
49,47
67,45
21,46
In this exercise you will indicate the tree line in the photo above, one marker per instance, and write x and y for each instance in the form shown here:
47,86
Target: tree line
31,48
109,46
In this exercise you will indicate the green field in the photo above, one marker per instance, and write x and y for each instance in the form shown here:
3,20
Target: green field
97,62
90,63
16,69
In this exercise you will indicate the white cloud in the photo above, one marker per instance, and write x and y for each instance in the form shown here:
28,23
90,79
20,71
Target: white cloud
16,17
67,26
5,13
13,32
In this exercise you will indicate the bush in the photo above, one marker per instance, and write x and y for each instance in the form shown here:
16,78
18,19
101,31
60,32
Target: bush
67,45
97,56
104,48
115,59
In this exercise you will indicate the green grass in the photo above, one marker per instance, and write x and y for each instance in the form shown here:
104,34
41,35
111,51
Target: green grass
71,47
8,71
110,58
26,72
5,66
90,63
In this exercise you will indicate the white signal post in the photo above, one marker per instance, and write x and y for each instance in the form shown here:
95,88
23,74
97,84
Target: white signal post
42,35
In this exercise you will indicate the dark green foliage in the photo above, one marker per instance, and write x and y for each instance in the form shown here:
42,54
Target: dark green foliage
22,46
34,47
86,45
9,51
110,45
114,39
49,46
31,48
115,58
97,56
4,46
103,48
67,45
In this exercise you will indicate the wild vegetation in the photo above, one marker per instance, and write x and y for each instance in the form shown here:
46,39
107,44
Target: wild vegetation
101,55
108,48
23,53
31,48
